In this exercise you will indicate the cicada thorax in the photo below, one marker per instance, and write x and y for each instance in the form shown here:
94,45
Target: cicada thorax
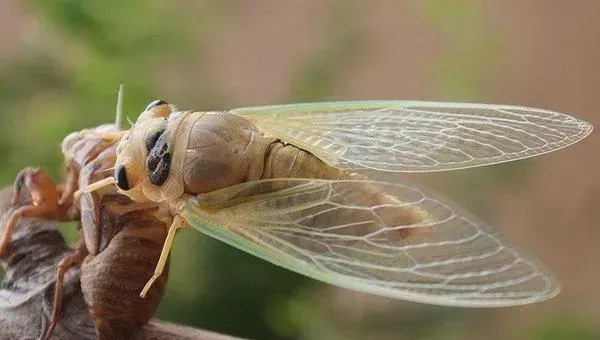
223,150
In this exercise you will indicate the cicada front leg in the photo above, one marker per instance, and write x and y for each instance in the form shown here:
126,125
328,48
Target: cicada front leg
178,223
93,187
43,202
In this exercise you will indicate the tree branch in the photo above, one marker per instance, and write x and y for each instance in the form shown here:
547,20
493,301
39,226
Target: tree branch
28,289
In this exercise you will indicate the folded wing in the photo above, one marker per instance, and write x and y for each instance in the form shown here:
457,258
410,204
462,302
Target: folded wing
388,239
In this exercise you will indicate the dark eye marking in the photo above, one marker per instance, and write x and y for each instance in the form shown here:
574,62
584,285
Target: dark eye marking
158,162
160,174
155,156
152,139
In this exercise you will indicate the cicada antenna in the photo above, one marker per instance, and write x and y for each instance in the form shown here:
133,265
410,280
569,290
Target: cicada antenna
119,113
131,122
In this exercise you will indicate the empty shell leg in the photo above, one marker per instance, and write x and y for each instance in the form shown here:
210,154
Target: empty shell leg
26,211
178,222
74,259
43,202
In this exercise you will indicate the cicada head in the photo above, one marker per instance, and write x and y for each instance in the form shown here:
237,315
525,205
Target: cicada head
132,151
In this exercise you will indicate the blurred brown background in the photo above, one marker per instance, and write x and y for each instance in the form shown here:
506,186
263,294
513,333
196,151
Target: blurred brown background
61,62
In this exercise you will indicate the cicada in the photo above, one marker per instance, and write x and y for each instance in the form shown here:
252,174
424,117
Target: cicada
306,187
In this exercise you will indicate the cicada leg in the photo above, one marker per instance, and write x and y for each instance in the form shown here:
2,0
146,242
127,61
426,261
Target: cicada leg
43,202
178,223
26,211
73,259
93,187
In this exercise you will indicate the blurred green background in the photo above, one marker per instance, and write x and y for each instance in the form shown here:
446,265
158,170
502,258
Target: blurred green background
61,62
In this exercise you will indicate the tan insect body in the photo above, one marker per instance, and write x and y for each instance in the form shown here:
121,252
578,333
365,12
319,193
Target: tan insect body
302,186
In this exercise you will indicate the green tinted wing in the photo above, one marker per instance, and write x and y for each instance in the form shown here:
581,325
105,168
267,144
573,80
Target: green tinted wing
382,238
413,136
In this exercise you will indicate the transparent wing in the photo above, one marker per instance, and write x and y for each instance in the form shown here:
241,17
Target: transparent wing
383,238
417,136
